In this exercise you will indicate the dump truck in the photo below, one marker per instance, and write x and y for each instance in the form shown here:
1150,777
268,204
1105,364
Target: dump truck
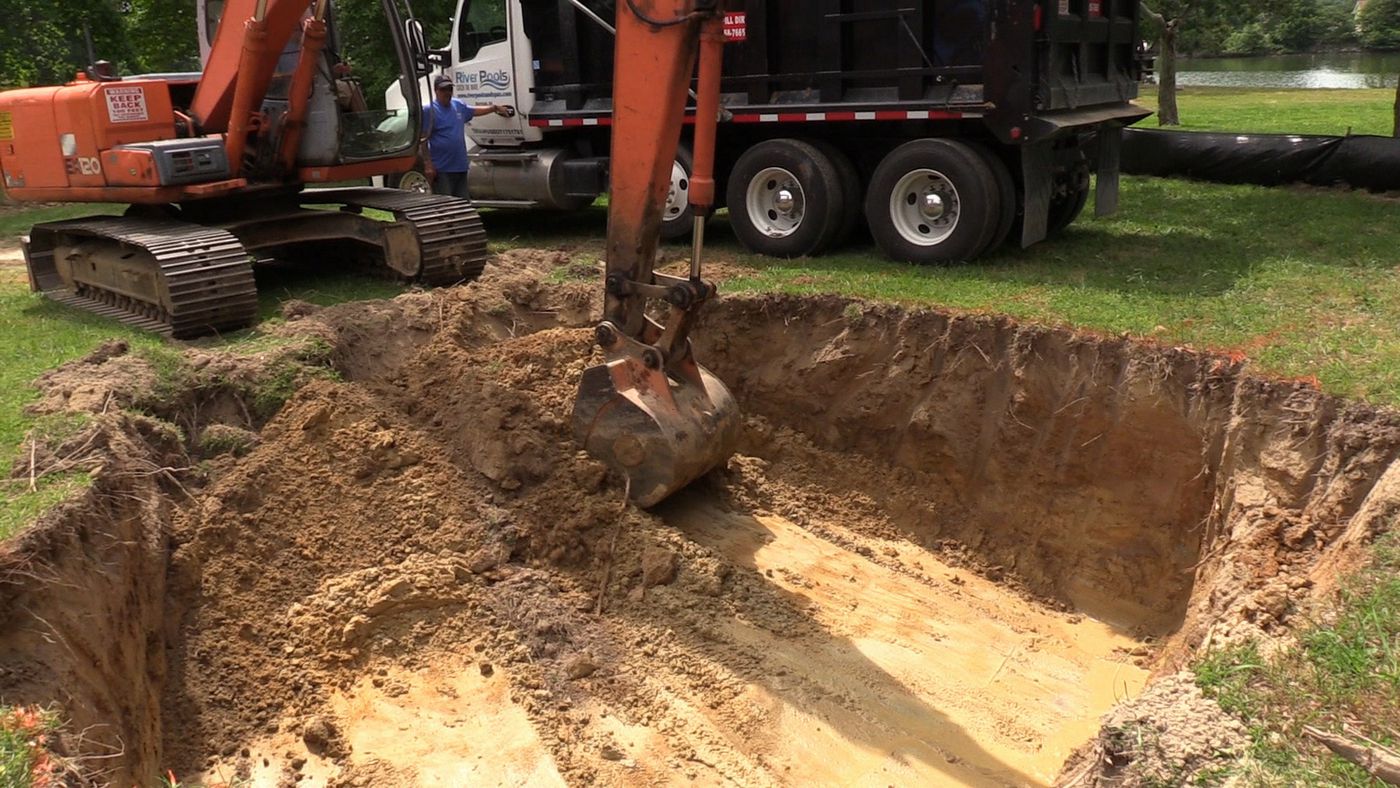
947,126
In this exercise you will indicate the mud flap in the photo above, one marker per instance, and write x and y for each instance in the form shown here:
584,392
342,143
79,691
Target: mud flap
1110,159
1037,163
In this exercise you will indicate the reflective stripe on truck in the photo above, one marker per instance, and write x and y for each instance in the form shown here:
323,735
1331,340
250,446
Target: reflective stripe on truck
782,117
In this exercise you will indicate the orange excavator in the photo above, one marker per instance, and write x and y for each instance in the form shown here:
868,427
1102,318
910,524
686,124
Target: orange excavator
214,168
651,412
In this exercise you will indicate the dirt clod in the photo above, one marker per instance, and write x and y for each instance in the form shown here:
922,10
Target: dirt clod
1170,735
295,309
611,753
226,439
659,566
323,738
580,666
110,349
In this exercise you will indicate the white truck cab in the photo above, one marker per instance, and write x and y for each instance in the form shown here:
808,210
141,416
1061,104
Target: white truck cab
491,61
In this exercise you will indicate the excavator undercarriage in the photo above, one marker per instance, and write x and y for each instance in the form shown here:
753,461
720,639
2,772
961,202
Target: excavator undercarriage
187,270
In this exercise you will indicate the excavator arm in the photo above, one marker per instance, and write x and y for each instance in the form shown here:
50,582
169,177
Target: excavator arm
650,411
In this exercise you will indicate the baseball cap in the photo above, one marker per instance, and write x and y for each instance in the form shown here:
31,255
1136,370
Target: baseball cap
442,82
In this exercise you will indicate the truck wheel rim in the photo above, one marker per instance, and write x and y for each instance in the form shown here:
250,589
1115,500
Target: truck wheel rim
924,207
414,181
776,202
678,198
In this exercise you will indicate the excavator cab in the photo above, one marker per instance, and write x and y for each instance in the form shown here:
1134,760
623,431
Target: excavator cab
650,411
347,119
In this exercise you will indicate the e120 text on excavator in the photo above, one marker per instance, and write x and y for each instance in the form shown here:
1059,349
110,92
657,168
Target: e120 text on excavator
651,412
213,168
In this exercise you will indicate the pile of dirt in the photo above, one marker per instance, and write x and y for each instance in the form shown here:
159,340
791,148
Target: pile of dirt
1171,735
947,545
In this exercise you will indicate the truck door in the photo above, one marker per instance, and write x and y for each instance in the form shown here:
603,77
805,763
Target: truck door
484,70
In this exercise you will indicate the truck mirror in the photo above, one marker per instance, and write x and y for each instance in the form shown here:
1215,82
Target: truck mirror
418,46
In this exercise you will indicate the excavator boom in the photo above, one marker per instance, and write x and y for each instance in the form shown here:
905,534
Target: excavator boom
650,411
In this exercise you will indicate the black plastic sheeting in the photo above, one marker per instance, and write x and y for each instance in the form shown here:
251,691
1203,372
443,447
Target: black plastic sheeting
1360,162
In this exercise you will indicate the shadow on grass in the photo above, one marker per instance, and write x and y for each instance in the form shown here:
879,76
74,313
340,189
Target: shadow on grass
323,285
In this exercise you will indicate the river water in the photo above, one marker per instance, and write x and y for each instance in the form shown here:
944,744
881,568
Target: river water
1344,70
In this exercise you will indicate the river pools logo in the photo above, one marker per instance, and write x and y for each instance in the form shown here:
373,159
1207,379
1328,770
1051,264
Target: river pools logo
477,81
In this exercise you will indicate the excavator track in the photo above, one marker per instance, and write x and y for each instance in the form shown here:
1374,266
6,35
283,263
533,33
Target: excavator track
191,280
185,279
450,234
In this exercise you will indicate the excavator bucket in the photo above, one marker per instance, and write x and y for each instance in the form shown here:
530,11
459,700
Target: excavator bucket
661,430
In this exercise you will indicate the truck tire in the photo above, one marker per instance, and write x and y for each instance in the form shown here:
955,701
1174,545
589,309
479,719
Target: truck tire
933,201
1010,199
1066,208
411,181
677,217
785,199
850,187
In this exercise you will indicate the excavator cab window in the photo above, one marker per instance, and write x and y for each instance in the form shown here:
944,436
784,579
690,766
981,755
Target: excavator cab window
213,12
368,128
347,119
483,22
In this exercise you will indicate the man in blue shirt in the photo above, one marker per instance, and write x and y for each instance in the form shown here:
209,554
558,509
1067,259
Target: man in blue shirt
446,119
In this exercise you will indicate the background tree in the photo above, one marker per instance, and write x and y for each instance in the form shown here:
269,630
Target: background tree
1167,30
365,42
1243,27
43,42
1379,22
172,43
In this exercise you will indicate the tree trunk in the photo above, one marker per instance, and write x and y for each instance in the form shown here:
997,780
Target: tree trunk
1167,114
1395,132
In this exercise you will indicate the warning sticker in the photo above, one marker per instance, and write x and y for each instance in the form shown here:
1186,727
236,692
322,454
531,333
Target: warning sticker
7,127
126,105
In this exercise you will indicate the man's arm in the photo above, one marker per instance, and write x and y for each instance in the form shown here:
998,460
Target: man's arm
489,109
424,154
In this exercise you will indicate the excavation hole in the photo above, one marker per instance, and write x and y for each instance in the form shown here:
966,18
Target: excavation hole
946,547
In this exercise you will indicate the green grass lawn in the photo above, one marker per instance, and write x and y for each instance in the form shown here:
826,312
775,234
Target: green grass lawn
1280,111
17,218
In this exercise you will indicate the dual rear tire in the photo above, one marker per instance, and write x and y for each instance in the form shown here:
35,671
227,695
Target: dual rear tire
938,201
792,198
929,201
